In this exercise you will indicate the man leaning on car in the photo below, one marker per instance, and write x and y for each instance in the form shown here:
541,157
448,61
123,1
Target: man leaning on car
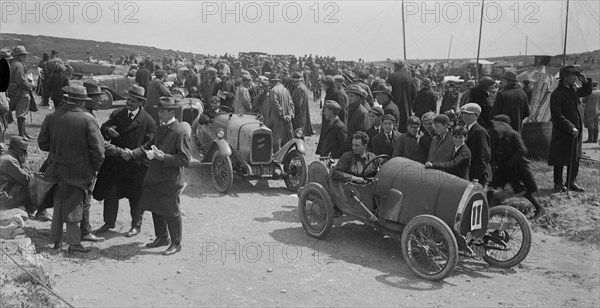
352,163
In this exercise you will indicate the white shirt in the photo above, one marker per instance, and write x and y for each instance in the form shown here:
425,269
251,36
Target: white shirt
135,112
169,122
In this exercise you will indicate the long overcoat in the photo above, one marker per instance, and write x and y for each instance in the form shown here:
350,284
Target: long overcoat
300,97
164,179
404,92
512,101
156,89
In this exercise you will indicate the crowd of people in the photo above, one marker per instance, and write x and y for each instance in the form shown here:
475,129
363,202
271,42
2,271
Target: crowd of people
141,151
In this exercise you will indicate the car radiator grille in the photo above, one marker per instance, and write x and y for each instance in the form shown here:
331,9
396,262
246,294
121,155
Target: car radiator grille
261,148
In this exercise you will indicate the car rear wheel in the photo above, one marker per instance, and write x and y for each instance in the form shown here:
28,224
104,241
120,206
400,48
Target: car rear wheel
294,165
222,172
106,100
315,209
429,247
509,225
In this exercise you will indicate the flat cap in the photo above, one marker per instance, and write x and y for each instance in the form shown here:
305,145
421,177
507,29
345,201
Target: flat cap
501,118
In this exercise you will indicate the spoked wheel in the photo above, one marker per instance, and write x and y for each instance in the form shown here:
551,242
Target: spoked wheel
222,172
294,165
510,226
315,209
429,247
105,101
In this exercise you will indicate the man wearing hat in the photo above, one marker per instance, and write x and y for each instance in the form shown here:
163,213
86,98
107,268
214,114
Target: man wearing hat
94,91
403,91
142,76
375,119
260,100
511,101
226,90
481,95
156,90
408,145
466,95
442,145
508,156
169,153
361,81
14,178
333,93
210,85
358,116
385,141
565,144
300,96
478,141
332,141
58,80
426,100
76,152
191,80
282,112
19,89
450,99
527,89
383,94
242,100
120,176
591,113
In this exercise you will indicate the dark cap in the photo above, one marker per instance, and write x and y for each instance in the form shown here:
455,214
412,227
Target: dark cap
413,120
389,117
17,142
333,106
377,110
568,70
442,119
167,102
501,118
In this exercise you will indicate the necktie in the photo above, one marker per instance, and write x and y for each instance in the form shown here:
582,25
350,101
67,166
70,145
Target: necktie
390,137
131,116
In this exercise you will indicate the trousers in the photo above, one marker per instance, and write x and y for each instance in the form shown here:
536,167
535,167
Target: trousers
168,226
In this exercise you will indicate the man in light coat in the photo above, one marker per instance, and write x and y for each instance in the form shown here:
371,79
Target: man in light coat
282,112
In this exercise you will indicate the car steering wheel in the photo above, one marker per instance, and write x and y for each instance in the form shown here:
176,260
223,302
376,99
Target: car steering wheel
383,157
225,108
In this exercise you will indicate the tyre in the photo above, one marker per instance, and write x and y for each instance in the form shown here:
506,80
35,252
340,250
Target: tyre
105,101
69,72
315,209
510,225
294,165
429,247
222,172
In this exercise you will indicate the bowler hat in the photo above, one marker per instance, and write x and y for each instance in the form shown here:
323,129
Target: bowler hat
18,142
384,88
75,92
332,105
357,90
377,110
501,118
568,70
167,102
426,82
20,50
471,108
92,87
137,92
328,79
509,76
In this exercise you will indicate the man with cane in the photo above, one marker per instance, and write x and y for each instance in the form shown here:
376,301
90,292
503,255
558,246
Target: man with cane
565,145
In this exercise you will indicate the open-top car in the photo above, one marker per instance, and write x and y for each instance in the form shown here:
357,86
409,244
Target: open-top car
242,144
435,215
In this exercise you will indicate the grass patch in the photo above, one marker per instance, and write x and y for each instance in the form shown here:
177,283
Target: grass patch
18,289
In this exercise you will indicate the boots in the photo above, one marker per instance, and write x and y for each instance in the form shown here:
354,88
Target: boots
539,209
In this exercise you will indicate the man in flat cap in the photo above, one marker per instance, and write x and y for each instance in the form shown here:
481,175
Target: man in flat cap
169,153
156,90
565,144
14,177
478,141
210,85
121,176
385,141
375,119
481,95
76,151
408,145
442,145
332,141
332,93
358,116
426,100
242,102
511,101
383,94
511,165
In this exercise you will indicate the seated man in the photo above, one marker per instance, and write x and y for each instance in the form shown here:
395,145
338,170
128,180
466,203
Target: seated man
14,179
352,163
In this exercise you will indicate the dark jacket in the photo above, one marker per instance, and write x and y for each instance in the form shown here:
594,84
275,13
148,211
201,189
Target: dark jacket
482,98
333,140
127,176
383,145
358,120
512,101
425,101
404,92
508,157
565,115
351,165
441,149
372,132
458,164
392,108
408,146
478,141
142,77
342,99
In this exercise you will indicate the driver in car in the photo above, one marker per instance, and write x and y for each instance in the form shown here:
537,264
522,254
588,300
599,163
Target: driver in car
351,165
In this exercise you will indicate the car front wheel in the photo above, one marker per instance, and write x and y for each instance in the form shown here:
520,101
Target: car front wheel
296,170
222,172
429,247
315,209
106,100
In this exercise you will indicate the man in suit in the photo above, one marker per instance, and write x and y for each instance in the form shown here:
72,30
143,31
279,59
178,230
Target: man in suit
76,148
375,118
408,145
427,132
282,112
383,94
508,155
128,128
478,141
156,90
142,77
460,160
333,141
403,91
358,116
426,100
352,164
384,142
442,146
511,101
169,153
566,140
481,95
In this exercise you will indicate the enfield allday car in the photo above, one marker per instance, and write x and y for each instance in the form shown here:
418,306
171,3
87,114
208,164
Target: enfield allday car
241,144
434,214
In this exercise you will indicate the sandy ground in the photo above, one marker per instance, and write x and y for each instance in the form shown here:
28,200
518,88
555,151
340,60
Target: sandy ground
248,248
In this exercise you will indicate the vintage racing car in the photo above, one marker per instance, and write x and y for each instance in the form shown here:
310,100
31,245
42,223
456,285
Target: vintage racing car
435,215
241,144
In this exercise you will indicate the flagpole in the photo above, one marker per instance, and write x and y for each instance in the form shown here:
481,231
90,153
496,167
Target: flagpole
479,44
566,32
403,30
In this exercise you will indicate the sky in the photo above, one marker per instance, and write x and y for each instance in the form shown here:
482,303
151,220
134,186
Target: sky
348,30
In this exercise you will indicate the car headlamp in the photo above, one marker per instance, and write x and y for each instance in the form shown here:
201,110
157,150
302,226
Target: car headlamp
220,133
299,133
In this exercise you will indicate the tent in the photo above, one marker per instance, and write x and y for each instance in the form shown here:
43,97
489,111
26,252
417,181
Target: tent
544,79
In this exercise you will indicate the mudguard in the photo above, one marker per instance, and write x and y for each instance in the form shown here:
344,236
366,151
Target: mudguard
294,143
218,145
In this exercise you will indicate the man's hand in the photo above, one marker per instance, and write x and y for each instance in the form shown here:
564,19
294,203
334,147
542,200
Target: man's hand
112,132
428,165
287,118
127,154
358,180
